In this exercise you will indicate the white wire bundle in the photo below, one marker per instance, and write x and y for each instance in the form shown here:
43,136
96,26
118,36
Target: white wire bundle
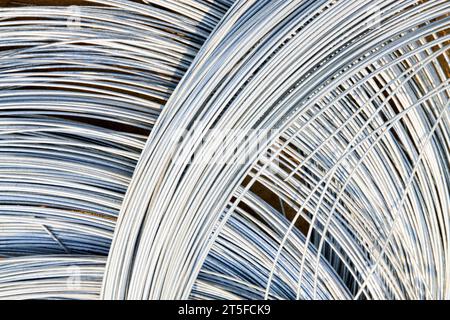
51,277
80,88
346,196
358,109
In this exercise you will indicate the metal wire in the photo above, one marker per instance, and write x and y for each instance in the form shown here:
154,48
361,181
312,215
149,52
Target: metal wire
297,150
357,105
80,89
51,277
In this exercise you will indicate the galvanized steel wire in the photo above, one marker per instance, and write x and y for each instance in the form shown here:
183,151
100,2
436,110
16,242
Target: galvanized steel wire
77,103
51,277
296,149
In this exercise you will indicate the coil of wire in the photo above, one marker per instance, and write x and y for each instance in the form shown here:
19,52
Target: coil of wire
218,150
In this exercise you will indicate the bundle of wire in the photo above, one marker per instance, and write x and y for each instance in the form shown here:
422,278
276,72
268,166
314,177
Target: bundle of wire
345,196
52,277
77,103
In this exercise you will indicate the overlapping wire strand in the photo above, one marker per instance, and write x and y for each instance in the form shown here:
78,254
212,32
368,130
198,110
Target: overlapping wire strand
346,196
